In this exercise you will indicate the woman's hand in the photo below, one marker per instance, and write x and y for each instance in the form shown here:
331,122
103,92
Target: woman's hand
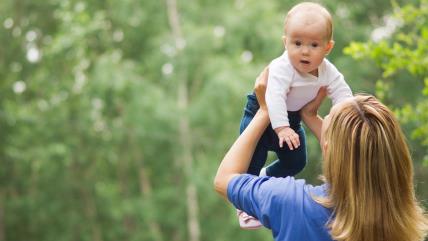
260,88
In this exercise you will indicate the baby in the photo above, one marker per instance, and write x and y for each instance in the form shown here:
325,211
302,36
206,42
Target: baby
294,79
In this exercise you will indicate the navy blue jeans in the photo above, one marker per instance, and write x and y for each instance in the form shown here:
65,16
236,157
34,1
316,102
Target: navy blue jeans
289,162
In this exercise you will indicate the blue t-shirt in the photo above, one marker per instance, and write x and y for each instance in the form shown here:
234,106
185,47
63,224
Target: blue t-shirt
284,205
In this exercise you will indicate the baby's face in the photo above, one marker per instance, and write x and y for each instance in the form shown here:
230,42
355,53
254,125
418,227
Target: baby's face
306,42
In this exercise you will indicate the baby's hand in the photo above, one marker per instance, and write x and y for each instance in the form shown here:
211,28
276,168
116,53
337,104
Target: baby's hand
289,136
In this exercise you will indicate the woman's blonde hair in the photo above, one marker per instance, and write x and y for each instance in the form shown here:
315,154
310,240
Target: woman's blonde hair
369,172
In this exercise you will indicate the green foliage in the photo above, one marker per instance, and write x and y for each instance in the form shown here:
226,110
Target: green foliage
402,57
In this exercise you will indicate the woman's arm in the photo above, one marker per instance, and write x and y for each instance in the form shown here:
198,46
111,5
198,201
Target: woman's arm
309,113
238,158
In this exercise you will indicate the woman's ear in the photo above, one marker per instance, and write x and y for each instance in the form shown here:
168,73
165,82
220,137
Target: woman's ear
324,147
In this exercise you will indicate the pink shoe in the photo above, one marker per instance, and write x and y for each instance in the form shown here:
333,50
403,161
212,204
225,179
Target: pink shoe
248,222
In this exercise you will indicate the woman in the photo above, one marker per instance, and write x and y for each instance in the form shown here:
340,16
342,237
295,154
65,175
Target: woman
368,192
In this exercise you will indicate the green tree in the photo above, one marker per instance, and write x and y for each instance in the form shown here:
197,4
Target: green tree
401,56
114,115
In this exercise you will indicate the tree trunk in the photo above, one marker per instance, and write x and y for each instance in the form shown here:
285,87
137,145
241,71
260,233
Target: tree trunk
88,202
122,169
89,209
184,130
186,158
2,230
146,191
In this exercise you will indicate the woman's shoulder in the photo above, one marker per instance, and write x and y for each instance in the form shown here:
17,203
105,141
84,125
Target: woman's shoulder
279,202
280,189
297,196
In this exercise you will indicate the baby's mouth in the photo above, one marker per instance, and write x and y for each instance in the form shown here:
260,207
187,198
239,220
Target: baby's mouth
304,62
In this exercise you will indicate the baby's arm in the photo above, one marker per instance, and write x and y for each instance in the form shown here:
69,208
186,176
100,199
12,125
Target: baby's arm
338,89
277,88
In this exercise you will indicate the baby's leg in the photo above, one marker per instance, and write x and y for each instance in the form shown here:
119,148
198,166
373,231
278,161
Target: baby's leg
258,160
290,162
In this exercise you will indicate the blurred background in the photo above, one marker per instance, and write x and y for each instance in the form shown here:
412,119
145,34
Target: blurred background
114,115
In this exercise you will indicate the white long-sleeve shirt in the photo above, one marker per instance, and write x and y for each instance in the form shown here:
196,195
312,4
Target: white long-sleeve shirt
289,90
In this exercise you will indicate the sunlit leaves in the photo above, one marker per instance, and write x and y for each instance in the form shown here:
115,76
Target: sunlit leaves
407,51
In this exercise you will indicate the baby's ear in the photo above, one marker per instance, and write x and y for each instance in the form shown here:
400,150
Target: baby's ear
284,40
329,46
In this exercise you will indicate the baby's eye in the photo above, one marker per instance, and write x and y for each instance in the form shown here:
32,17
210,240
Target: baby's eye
314,45
298,43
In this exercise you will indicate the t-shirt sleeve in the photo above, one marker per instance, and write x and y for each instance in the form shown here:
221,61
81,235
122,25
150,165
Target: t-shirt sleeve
265,198
337,88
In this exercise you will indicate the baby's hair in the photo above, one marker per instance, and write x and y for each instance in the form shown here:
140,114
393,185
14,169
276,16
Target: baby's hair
317,9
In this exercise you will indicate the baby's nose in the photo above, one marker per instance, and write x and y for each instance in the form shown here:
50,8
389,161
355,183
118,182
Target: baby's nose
305,50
